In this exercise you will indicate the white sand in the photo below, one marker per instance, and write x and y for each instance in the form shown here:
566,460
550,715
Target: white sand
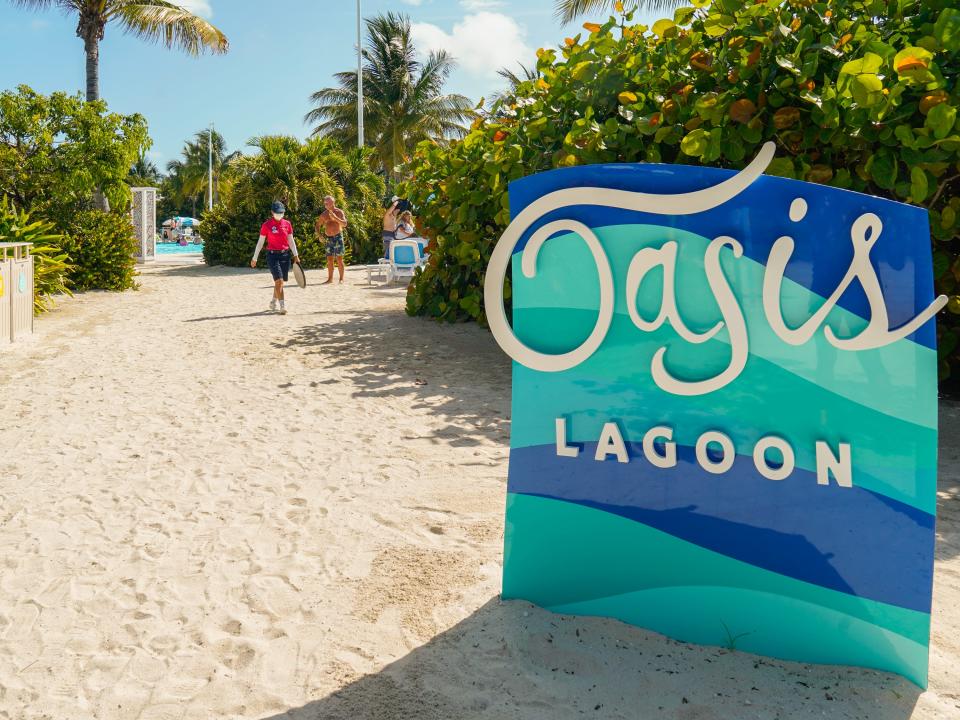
208,512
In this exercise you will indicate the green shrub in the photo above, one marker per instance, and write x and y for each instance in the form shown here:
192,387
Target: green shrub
858,94
50,264
101,247
230,236
299,174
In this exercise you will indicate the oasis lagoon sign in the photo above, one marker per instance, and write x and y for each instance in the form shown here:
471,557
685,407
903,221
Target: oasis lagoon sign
724,409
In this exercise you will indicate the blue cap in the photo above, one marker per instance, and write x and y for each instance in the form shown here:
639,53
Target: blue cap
278,207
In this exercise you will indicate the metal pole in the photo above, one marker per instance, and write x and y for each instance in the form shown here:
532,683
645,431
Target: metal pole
210,163
359,79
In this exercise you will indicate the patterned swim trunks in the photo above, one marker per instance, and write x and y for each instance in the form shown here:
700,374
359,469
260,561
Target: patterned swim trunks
335,246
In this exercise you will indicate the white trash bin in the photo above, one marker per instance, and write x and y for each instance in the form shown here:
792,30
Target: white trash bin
16,297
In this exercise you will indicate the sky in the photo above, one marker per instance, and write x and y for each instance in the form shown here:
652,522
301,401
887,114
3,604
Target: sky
280,52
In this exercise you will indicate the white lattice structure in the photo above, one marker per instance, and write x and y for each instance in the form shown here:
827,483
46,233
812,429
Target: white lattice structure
143,212
16,292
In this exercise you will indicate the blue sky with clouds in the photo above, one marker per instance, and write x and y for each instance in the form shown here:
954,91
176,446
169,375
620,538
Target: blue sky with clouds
281,51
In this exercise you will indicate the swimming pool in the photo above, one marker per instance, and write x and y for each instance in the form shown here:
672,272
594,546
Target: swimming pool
175,249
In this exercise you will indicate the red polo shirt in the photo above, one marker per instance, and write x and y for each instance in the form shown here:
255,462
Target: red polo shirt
277,233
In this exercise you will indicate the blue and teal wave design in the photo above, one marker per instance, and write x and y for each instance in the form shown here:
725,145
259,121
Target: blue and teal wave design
832,537
808,572
574,559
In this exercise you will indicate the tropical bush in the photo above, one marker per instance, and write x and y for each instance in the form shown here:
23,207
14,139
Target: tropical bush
57,150
57,153
50,265
858,94
299,175
101,247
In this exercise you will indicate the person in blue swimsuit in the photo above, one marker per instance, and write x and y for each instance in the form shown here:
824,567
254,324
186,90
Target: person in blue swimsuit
331,223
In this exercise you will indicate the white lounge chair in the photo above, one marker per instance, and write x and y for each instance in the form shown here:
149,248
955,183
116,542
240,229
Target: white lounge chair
405,257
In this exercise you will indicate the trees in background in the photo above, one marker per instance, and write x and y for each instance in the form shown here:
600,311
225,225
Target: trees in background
153,20
299,174
404,101
187,186
144,173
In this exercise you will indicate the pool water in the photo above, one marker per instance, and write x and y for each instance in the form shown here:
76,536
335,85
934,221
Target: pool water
175,249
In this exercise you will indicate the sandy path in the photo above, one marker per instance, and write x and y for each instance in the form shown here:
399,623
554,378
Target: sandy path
214,513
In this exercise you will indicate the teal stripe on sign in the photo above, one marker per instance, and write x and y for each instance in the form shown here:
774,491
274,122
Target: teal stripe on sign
883,379
623,569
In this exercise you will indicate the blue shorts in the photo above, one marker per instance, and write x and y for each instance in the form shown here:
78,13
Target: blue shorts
335,246
388,237
279,263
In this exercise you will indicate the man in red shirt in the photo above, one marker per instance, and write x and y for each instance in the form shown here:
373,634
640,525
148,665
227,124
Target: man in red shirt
277,233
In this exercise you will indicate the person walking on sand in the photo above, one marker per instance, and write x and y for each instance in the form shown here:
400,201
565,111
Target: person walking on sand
331,223
278,235
390,226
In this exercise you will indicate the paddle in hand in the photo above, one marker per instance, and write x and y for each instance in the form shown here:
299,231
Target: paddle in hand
299,275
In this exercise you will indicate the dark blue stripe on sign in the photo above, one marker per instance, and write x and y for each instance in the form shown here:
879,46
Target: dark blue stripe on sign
758,217
846,539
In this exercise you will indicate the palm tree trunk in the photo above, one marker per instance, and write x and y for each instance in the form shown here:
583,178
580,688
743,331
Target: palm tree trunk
91,46
90,30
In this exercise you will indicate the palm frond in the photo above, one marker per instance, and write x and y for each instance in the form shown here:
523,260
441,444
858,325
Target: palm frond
168,24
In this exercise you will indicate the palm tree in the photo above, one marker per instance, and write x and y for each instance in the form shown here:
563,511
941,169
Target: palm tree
513,80
153,20
404,101
568,10
191,174
144,173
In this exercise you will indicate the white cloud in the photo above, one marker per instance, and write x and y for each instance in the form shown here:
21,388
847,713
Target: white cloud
197,7
415,3
482,42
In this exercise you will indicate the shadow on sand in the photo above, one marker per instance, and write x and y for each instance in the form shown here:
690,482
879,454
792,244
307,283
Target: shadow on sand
456,372
512,660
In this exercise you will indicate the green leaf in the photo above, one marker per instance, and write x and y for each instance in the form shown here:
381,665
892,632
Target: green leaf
940,119
695,143
682,15
918,185
662,27
882,167
870,63
782,167
947,29
948,218
913,63
867,90
717,25
904,134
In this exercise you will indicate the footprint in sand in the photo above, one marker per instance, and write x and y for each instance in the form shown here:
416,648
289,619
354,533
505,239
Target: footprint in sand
235,655
232,627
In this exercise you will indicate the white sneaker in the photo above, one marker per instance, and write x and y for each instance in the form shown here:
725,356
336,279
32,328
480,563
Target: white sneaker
283,310
273,306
